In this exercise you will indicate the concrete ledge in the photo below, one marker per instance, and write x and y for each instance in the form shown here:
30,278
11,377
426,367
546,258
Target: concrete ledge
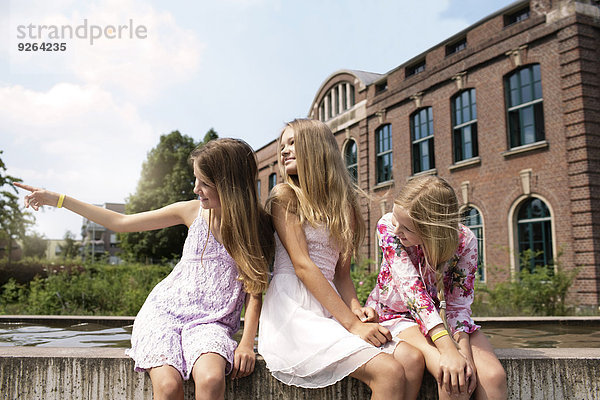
33,373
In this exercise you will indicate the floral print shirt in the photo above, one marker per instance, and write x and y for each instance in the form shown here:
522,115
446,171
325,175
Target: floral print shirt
406,285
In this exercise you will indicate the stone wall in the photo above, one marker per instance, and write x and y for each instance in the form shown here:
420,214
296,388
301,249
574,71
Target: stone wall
35,373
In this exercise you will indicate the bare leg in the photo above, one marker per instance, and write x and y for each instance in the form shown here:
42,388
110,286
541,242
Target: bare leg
209,377
414,337
491,376
385,377
167,383
414,364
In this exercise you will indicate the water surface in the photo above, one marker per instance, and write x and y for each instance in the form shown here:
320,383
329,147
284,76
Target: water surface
98,335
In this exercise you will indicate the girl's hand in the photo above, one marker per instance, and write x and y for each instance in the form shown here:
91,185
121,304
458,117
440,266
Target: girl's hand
471,373
372,333
454,372
243,362
366,314
38,197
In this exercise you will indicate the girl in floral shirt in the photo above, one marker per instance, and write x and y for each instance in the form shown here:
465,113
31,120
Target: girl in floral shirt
424,290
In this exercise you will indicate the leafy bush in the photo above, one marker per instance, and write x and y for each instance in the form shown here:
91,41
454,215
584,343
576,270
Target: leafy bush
542,291
364,280
95,289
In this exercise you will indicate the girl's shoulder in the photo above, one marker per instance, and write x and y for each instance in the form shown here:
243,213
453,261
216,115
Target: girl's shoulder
281,192
385,221
466,238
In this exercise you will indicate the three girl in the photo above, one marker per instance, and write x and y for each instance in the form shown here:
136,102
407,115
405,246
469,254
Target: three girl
313,330
424,290
185,327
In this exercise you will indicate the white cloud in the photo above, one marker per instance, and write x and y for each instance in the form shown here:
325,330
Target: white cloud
136,67
79,138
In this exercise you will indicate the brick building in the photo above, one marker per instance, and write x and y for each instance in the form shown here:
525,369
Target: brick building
508,111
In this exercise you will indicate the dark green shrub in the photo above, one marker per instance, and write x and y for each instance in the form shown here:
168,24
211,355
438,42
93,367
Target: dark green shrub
542,291
96,289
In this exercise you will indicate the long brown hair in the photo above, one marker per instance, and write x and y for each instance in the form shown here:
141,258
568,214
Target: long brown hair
246,229
432,205
323,191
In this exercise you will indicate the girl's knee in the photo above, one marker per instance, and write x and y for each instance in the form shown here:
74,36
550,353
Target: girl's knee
167,387
392,372
496,377
413,359
209,382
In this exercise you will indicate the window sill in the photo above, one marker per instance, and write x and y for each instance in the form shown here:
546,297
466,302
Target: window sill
383,185
526,148
471,162
432,171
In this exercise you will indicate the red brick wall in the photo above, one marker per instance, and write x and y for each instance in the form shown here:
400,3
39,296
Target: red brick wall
565,169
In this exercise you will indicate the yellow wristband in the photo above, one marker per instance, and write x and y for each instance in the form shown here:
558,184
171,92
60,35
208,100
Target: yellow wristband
439,335
60,201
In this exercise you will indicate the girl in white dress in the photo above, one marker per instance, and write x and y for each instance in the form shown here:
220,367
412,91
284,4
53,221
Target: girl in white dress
313,331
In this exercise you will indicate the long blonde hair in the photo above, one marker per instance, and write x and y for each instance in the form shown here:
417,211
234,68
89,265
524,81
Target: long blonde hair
246,229
432,205
323,191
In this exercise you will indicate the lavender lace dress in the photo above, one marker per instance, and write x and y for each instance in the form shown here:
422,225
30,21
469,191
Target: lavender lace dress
194,310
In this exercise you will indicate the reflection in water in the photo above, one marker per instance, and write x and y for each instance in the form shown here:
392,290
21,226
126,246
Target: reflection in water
545,336
95,335
80,335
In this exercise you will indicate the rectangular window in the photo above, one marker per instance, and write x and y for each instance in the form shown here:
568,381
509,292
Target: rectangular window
517,16
380,87
272,181
414,69
421,124
336,100
525,106
464,122
456,46
383,147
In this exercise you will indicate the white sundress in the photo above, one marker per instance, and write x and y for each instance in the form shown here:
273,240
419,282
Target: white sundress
301,342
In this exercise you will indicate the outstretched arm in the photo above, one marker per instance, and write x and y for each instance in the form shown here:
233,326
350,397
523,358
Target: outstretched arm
289,229
174,214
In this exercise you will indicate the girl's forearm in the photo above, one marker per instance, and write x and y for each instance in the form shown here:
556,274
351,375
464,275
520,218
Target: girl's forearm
464,344
251,317
316,283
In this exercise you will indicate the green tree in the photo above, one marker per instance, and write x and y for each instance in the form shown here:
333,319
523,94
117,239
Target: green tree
34,245
13,220
70,248
166,178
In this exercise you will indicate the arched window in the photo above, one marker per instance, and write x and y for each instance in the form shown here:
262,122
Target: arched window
383,147
258,188
534,231
337,100
421,127
351,158
272,181
472,219
525,106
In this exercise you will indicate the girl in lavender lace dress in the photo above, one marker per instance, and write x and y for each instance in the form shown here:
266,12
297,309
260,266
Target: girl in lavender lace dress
424,290
313,331
187,322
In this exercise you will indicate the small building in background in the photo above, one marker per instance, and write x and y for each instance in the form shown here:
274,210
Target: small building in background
99,241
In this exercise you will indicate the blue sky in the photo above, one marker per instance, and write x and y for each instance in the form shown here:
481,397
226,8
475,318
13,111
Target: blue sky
81,121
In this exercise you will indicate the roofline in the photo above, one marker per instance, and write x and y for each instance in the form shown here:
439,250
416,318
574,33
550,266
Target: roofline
514,5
